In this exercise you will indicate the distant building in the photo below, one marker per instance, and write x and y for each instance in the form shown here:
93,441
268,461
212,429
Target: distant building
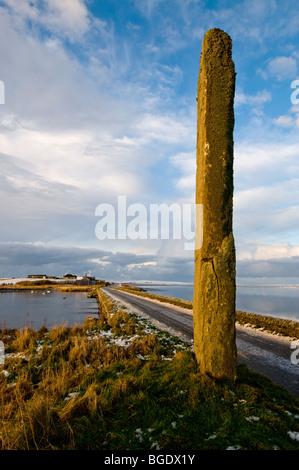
37,276
70,276
82,281
92,279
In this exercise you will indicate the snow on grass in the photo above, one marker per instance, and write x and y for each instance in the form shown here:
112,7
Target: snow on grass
294,435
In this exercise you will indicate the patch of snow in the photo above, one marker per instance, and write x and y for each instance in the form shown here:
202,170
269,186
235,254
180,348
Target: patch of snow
212,437
294,435
142,315
252,418
6,373
71,395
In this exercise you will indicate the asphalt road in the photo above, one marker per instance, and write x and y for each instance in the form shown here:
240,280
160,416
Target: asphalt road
264,353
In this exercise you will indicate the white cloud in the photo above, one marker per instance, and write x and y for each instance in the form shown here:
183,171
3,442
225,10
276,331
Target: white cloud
25,9
259,99
63,128
147,7
272,197
186,163
71,145
256,102
284,121
260,156
68,18
282,68
100,261
266,191
165,128
267,252
141,265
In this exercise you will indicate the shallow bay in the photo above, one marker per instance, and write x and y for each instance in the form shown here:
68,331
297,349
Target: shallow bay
45,308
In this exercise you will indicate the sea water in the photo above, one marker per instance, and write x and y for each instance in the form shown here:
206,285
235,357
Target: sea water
276,297
49,308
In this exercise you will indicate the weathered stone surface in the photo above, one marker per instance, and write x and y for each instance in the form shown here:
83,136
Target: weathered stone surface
214,280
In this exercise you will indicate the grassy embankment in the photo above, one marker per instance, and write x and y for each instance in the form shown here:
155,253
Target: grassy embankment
119,383
47,285
274,325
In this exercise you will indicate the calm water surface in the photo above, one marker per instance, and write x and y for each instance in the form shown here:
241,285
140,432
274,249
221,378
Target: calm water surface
276,300
20,309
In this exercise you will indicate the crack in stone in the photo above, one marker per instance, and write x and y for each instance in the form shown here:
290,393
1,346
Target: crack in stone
217,284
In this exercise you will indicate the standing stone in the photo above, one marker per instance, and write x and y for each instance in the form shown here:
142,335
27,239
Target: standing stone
214,280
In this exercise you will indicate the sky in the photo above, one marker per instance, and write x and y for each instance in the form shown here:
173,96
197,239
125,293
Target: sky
100,102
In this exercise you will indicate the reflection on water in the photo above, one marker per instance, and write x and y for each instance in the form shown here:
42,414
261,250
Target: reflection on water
184,292
277,300
19,309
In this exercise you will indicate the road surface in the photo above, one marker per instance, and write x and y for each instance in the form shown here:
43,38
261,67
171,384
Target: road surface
267,354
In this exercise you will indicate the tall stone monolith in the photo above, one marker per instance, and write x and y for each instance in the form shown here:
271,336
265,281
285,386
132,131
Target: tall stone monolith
214,280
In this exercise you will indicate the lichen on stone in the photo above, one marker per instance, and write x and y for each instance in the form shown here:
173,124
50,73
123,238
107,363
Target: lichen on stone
214,279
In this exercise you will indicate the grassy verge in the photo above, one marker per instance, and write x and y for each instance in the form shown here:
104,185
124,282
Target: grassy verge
40,286
274,325
118,383
162,298
49,285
